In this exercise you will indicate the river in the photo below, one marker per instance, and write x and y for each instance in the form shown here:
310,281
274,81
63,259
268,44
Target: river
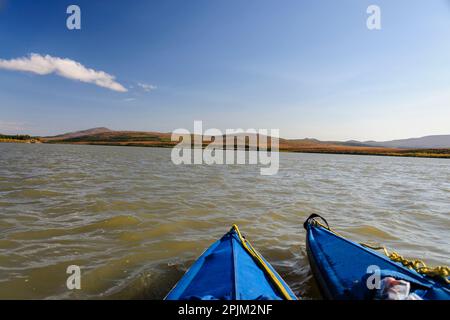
134,222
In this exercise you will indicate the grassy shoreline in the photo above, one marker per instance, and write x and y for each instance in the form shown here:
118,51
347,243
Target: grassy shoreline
411,153
18,141
106,137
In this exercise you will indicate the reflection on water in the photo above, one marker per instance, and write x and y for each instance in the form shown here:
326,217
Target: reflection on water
134,221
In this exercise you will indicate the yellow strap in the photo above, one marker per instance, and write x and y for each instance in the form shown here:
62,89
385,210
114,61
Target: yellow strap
417,265
249,248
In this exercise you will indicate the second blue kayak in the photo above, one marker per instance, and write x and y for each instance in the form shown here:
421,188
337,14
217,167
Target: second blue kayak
341,267
231,269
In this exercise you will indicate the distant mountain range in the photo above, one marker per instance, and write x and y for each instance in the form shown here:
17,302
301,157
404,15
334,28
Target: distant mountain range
102,133
427,142
430,146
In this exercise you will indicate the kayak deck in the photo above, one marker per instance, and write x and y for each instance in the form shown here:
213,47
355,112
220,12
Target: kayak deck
228,271
341,268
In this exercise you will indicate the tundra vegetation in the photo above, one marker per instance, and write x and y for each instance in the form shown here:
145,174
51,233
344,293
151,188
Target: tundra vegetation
19,138
103,136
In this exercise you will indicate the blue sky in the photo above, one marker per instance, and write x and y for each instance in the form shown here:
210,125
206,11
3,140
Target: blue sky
309,68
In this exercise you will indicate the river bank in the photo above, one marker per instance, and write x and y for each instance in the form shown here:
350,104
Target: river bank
367,151
19,141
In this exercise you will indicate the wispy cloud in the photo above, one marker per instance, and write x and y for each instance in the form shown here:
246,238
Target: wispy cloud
129,99
147,87
67,68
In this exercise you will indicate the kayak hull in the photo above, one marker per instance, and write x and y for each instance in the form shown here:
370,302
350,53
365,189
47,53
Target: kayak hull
226,271
342,268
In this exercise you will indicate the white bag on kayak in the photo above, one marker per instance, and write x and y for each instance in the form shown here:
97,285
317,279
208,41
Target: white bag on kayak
393,289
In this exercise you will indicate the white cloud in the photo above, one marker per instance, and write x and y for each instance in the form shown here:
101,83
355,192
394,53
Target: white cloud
67,68
147,87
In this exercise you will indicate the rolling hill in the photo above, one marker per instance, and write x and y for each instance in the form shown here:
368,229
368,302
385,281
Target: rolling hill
78,134
431,146
427,142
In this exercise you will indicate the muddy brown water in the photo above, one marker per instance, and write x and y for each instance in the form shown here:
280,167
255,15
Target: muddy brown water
135,222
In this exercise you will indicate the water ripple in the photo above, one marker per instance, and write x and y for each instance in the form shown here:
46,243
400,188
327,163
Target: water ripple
135,222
